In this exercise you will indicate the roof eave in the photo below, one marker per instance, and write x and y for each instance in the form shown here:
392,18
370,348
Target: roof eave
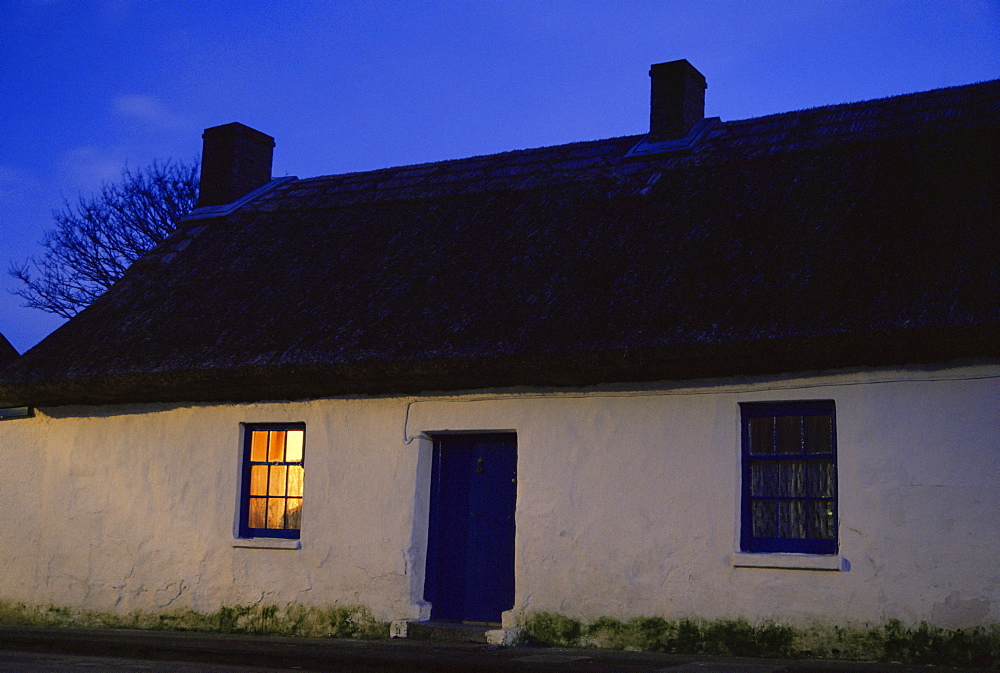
910,348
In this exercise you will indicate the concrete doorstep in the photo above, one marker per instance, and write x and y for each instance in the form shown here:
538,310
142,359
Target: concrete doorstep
456,632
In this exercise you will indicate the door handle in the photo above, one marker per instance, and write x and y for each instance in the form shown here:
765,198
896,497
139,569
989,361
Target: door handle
479,466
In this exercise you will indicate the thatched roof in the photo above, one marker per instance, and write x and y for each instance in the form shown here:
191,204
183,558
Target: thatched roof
846,236
7,352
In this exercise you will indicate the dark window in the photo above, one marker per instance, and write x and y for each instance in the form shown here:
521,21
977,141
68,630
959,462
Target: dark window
789,501
273,472
16,412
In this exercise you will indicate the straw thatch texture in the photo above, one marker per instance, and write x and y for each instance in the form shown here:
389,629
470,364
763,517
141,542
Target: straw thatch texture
849,236
7,352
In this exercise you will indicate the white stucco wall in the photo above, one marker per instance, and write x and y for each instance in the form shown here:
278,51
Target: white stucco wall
628,502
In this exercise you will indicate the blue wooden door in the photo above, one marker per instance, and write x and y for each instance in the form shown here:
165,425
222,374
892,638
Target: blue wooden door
470,555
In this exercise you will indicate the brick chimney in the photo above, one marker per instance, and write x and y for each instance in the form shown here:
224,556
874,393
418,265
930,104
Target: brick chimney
677,100
235,160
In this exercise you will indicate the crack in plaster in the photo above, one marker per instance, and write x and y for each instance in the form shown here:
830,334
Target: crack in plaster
181,586
372,575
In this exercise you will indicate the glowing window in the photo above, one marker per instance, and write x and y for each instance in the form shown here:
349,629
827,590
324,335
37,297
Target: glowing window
273,475
789,489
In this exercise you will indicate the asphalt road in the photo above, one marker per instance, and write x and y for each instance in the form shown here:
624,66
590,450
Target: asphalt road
53,650
34,662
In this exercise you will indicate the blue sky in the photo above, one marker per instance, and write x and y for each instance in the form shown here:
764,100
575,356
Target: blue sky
90,86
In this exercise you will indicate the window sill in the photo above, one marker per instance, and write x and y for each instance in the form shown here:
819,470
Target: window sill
267,543
790,561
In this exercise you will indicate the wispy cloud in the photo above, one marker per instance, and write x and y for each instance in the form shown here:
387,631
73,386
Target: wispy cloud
146,109
86,168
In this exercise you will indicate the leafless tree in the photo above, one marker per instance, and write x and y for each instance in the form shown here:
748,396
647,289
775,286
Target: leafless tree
96,240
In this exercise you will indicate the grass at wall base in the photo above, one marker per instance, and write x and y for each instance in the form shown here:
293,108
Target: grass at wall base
352,621
889,642
892,641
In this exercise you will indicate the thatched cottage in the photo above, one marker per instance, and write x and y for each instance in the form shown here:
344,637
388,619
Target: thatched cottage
723,369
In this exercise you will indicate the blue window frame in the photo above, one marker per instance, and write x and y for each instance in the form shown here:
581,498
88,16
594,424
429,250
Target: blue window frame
273,475
789,492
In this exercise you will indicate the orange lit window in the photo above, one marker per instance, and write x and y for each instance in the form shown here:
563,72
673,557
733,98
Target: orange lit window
273,472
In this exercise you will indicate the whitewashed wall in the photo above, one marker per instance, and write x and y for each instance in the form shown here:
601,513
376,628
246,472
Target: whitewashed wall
628,502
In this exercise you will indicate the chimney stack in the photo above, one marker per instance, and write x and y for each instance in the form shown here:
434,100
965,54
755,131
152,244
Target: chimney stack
235,160
677,100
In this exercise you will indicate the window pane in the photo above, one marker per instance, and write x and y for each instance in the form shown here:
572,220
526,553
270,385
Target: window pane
818,434
762,435
764,514
764,478
820,479
294,519
789,485
274,480
258,446
276,447
792,478
822,523
256,518
295,477
792,519
276,513
293,446
258,480
276,484
788,430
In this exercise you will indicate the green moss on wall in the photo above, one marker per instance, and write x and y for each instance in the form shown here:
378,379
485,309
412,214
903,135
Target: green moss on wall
893,641
292,620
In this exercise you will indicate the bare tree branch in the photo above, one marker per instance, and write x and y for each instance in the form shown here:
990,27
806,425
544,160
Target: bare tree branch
95,241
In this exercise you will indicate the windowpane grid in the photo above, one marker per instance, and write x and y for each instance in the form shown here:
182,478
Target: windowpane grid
788,434
295,478
274,482
258,447
258,480
789,478
276,446
293,445
762,435
257,508
818,434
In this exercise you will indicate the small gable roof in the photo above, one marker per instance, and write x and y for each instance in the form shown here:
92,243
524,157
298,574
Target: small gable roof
852,235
